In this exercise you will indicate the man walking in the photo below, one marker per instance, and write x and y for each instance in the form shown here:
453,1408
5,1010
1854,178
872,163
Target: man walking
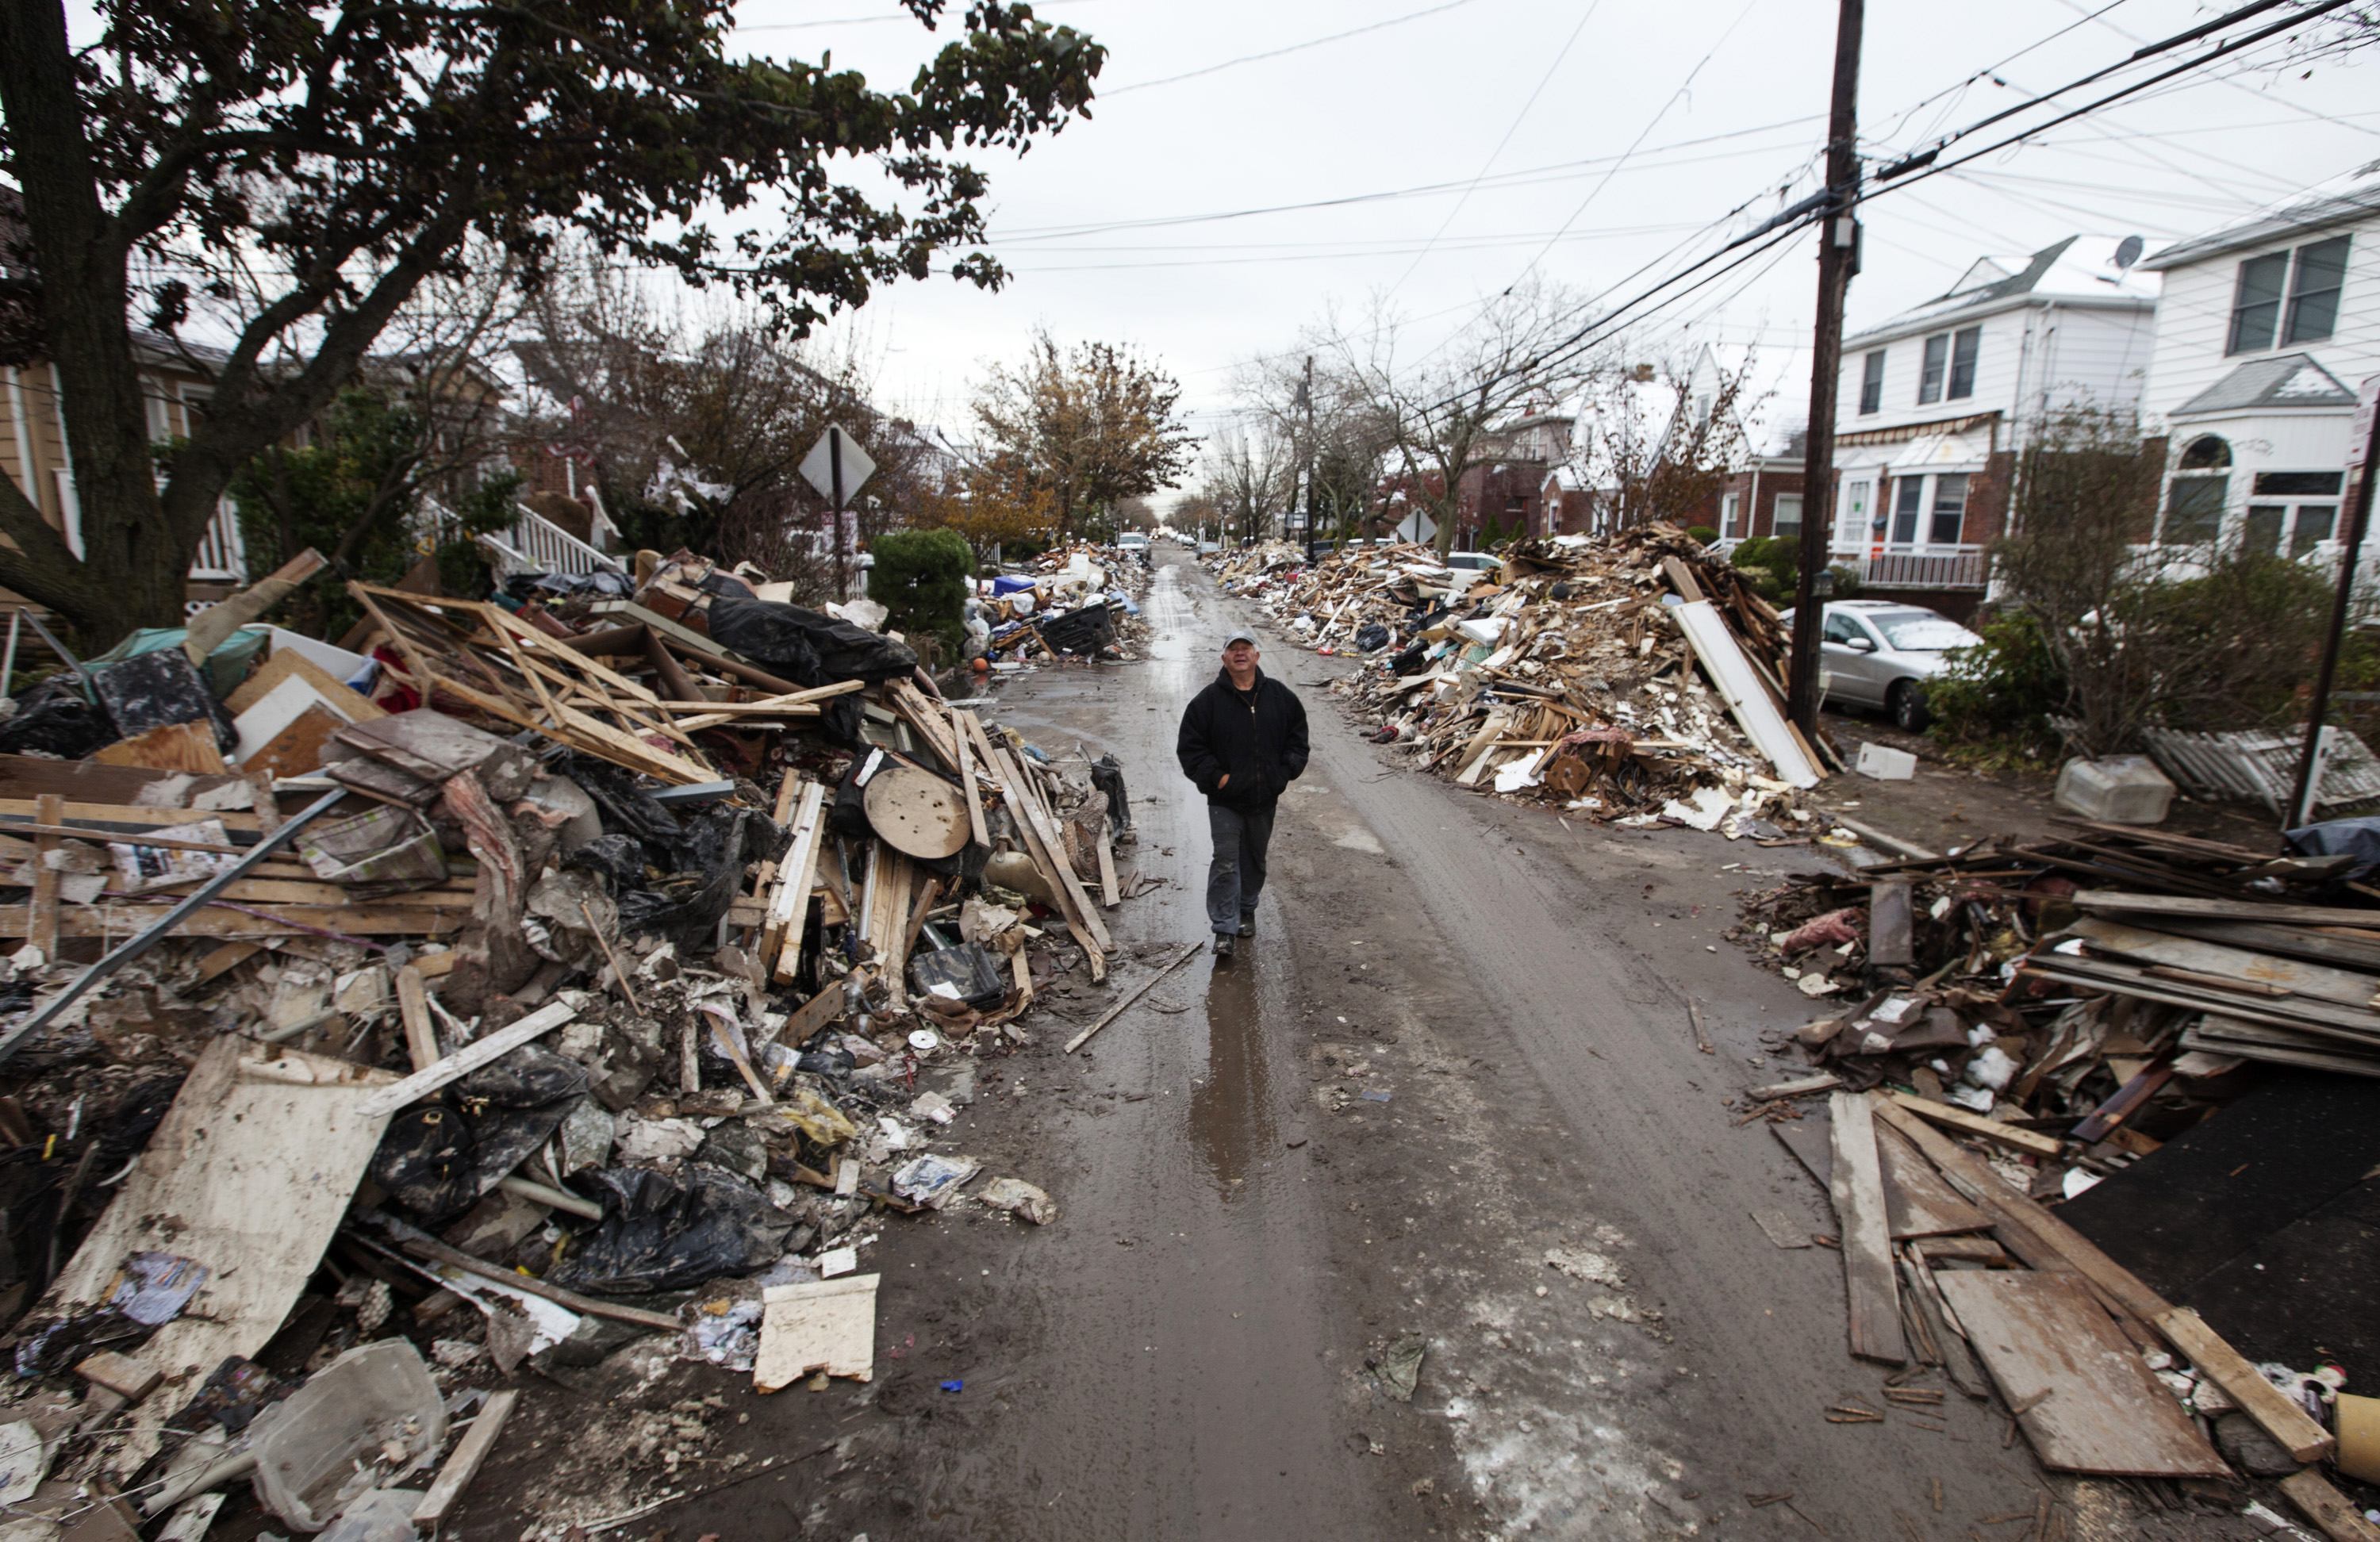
1243,741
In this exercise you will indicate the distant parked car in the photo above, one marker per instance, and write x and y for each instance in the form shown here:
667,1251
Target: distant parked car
1475,561
1208,548
1881,653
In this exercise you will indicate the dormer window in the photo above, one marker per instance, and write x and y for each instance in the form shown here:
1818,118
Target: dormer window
1949,372
2287,297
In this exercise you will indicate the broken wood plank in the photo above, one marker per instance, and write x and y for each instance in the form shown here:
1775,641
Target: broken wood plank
2314,1499
386,918
464,1464
1107,895
2082,1396
463,1061
780,933
172,746
2124,903
1871,1292
413,1007
127,1377
2025,1141
41,924
1916,1199
1801,1086
2213,1358
976,830
1188,948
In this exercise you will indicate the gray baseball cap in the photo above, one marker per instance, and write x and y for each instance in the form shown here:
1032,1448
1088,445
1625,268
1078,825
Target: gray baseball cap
1239,633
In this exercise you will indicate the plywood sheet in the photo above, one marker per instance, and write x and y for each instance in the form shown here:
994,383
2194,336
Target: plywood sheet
2088,1403
1918,1200
827,1325
249,1174
173,747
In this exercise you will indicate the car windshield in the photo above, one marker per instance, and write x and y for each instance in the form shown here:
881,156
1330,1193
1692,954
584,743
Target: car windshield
1921,631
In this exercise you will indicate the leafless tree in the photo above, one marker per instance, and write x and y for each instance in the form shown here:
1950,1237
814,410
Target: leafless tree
1440,406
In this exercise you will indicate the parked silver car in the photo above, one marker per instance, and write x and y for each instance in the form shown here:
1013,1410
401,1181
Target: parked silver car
1880,653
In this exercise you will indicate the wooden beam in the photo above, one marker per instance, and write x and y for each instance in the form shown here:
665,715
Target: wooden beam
1188,951
42,928
1955,1117
413,1006
464,1465
462,1063
1870,1283
2328,1508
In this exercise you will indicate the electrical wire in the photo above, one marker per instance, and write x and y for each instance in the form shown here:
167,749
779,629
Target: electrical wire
1277,53
1543,82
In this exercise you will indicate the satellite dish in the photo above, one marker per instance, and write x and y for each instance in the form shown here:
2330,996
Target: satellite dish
2128,252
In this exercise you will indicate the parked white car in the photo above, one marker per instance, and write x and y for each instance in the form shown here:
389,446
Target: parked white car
1880,653
1475,561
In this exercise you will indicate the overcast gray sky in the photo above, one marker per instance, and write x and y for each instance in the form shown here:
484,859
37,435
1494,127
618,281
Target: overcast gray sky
1516,114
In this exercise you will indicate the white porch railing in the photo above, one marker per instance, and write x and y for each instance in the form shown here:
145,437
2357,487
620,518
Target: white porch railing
221,556
1938,568
536,544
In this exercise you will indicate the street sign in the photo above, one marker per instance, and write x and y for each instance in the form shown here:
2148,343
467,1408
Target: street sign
819,467
1419,528
2367,404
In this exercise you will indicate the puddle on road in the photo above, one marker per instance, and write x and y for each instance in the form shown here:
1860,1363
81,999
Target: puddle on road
1231,1119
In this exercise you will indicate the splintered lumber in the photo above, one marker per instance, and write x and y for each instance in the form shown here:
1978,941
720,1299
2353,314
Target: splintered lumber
386,918
2081,1392
1916,1200
2314,1499
1868,1275
464,1465
976,830
781,932
1108,893
789,704
172,746
42,926
423,1245
1137,991
2025,1141
925,719
2034,1235
463,1061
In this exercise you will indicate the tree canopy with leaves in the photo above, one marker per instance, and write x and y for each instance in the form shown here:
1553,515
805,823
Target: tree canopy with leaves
280,176
1093,425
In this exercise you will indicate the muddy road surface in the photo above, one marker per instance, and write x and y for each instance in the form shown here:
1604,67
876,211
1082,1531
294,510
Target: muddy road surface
1449,1093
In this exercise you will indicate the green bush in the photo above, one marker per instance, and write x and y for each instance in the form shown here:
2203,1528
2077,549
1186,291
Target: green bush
1773,564
920,577
1999,694
1702,533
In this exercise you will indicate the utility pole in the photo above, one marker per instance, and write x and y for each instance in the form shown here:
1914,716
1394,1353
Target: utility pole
1838,259
2367,452
1305,393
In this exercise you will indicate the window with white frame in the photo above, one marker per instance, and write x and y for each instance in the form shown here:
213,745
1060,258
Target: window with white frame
2282,298
1908,503
2291,512
1948,371
1787,519
1947,523
1730,510
2200,490
1872,383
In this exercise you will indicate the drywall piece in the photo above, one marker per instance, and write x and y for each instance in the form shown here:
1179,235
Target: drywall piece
823,1325
1706,632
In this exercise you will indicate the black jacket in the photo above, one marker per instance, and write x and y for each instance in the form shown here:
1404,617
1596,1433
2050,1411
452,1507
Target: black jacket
1256,737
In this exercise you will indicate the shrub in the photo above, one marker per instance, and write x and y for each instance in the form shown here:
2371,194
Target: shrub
1702,533
920,578
2000,693
1773,564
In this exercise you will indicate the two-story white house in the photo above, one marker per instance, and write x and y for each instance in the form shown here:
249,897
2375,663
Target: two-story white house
2265,333
1934,406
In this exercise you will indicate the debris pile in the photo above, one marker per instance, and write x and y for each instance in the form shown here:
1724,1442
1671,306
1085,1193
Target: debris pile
527,977
1077,602
2014,1024
1569,676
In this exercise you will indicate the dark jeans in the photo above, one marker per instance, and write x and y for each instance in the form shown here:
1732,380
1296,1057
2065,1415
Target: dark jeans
1236,876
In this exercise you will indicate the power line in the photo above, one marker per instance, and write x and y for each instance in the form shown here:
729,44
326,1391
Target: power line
1988,71
2299,108
1292,48
1543,82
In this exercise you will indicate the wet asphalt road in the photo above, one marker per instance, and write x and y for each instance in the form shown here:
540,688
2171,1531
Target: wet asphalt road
1451,1090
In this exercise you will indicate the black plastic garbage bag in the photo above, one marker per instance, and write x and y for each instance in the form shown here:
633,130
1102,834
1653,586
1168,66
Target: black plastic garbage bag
1086,629
1372,638
1412,660
1107,775
53,719
441,1159
805,647
623,802
670,874
2355,838
669,1231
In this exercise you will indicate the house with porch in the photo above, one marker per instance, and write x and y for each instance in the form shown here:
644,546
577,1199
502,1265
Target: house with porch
2266,329
1934,406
